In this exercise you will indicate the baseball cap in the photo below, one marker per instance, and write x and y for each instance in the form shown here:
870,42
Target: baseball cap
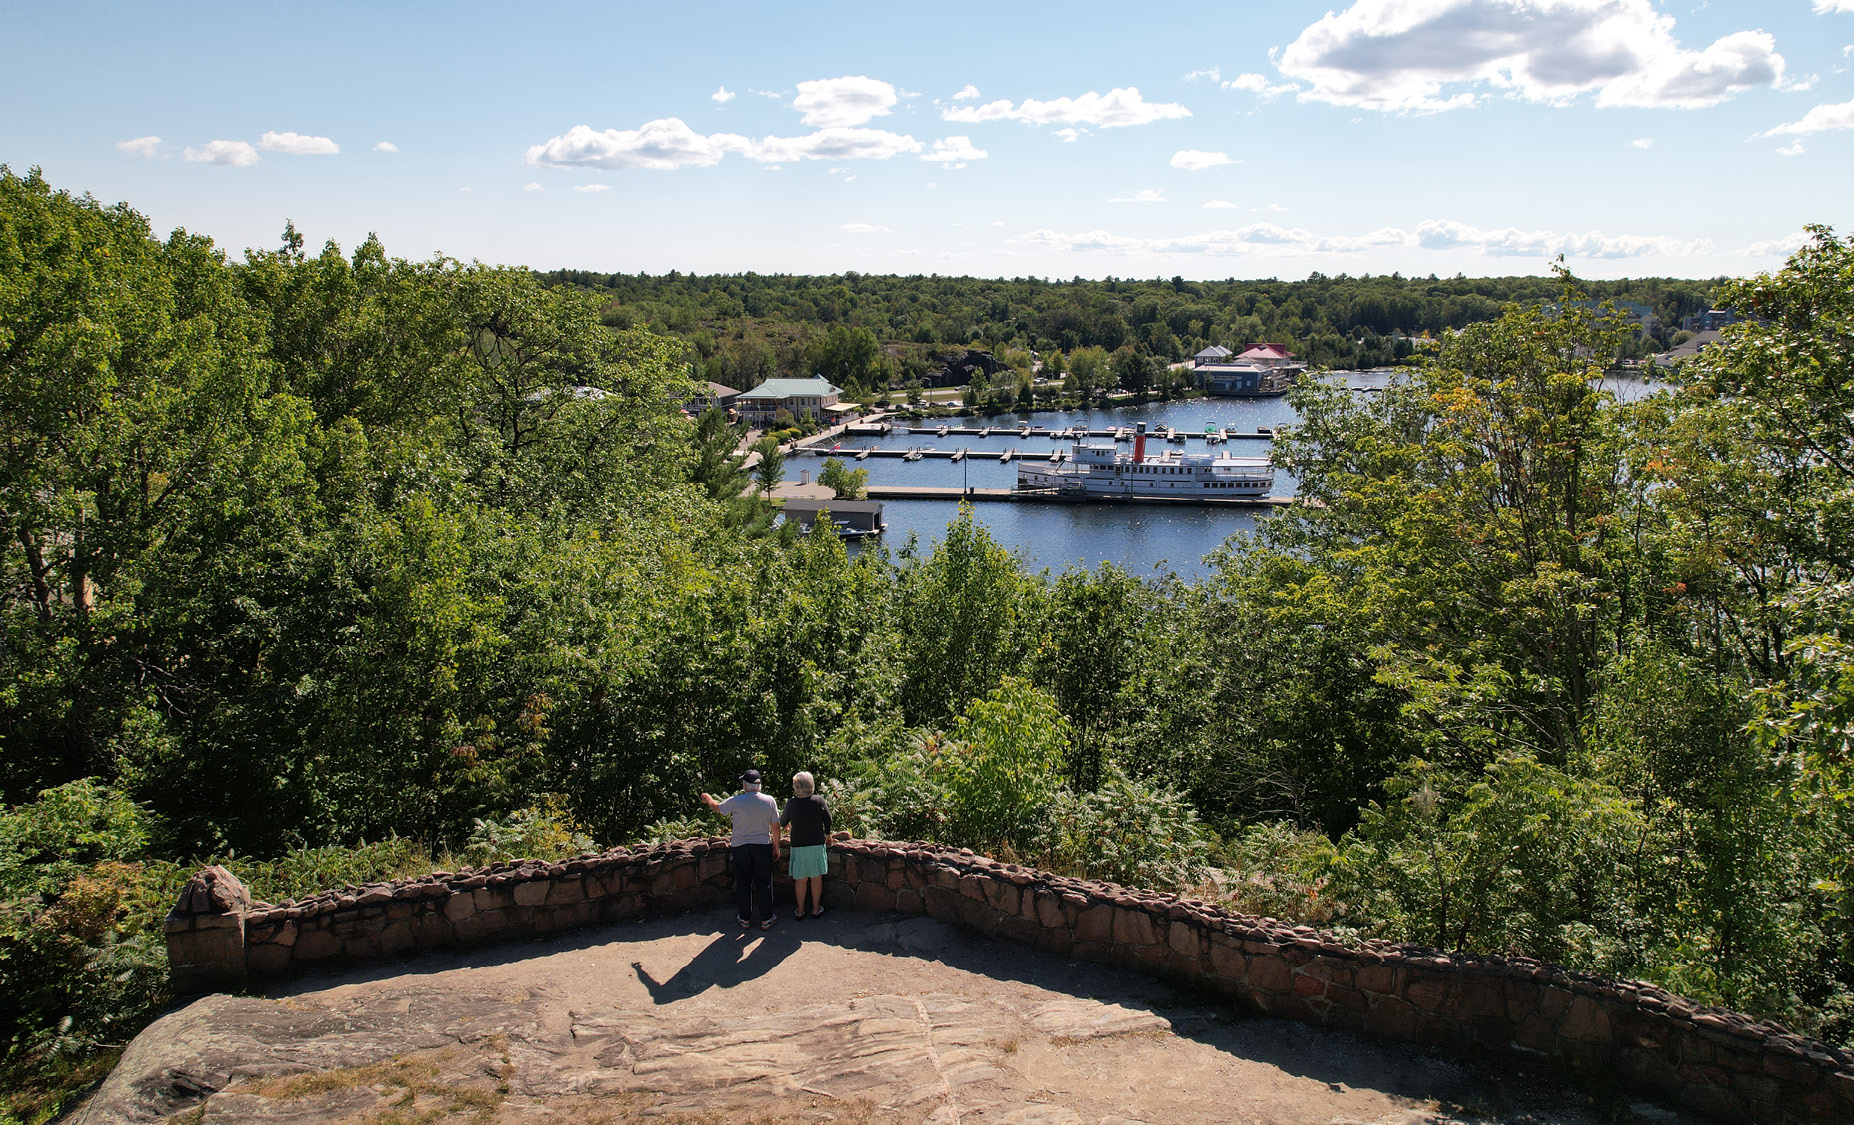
751,777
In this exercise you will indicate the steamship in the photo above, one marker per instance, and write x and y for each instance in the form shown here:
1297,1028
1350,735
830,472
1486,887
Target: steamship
1102,470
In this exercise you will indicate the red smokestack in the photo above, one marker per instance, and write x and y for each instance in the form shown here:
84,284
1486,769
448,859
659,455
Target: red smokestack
1139,448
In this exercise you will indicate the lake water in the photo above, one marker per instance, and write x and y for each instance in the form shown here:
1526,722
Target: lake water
1144,539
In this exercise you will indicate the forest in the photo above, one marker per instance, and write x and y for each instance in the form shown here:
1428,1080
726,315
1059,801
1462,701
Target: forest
867,332
333,566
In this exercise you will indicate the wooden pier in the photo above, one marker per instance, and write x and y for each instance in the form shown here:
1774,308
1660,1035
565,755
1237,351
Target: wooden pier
1118,433
1050,495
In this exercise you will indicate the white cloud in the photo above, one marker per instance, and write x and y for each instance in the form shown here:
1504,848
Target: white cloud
1795,149
661,145
1442,234
386,146
1274,207
230,154
668,143
954,150
1269,239
1642,142
862,228
1418,55
765,93
837,102
1821,119
834,144
1070,136
1145,195
1218,204
592,187
967,93
1778,247
1118,107
1196,160
723,96
1347,244
1208,74
1824,7
532,187
297,144
1259,85
145,147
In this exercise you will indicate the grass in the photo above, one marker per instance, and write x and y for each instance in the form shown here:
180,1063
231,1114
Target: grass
422,1099
39,1095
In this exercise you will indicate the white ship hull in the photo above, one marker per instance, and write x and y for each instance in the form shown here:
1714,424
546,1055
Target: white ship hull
1101,470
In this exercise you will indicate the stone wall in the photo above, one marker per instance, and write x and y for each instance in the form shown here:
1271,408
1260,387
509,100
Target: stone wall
1720,1063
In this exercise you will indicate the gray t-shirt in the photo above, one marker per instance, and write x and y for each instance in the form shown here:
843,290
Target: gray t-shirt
754,816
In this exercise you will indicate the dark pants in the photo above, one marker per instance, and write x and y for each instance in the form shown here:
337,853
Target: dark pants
753,872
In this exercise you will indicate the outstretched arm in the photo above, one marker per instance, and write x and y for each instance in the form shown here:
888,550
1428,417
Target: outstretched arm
708,799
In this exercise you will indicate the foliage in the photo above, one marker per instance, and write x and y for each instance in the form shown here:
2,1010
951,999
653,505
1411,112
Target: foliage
82,959
1276,870
874,331
1522,859
305,871
1125,832
545,832
846,483
987,784
770,468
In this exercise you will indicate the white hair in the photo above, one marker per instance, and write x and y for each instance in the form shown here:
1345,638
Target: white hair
803,784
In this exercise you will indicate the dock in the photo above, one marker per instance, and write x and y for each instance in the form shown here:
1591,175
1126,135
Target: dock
1120,433
1050,495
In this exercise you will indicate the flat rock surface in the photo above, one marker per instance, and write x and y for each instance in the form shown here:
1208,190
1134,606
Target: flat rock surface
854,1018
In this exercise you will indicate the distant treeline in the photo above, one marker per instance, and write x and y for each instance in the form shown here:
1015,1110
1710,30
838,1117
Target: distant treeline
744,328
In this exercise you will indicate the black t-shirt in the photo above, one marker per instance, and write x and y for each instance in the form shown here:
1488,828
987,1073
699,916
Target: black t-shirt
809,818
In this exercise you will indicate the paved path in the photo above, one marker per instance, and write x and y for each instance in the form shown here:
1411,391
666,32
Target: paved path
853,1019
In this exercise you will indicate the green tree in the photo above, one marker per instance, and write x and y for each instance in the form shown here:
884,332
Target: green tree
720,468
963,612
770,468
844,482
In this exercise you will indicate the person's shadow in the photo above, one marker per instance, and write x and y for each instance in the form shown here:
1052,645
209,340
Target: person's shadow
728,960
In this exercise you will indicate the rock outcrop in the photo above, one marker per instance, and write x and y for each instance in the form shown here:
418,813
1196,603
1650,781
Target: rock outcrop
1718,1062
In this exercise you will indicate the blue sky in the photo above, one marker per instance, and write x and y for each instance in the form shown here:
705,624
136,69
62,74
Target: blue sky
1004,139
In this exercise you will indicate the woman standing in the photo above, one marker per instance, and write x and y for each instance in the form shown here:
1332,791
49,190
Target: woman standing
809,819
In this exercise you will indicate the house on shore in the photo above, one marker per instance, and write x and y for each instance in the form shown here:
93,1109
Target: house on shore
798,396
1258,371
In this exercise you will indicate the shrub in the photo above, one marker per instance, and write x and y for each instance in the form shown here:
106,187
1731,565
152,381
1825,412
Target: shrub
1277,870
1522,859
683,828
547,831
307,871
82,960
1125,832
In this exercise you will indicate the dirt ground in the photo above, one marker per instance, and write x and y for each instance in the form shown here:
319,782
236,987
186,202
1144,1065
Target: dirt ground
853,1018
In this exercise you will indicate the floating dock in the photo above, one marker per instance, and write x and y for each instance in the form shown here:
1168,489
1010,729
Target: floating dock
1121,433
1050,495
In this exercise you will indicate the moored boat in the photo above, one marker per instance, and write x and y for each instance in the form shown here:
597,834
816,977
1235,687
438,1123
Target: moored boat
1102,470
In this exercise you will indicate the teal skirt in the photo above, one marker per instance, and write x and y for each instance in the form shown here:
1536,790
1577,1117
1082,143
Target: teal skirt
809,862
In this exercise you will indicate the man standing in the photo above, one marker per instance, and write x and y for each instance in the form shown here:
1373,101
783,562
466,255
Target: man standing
754,845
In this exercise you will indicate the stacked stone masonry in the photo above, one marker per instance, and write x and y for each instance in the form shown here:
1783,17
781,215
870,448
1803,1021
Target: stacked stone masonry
1720,1063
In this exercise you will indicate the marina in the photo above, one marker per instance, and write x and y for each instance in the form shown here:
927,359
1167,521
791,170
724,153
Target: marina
921,493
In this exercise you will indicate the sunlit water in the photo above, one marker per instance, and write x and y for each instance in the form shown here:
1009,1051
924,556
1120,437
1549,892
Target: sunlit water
1143,539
